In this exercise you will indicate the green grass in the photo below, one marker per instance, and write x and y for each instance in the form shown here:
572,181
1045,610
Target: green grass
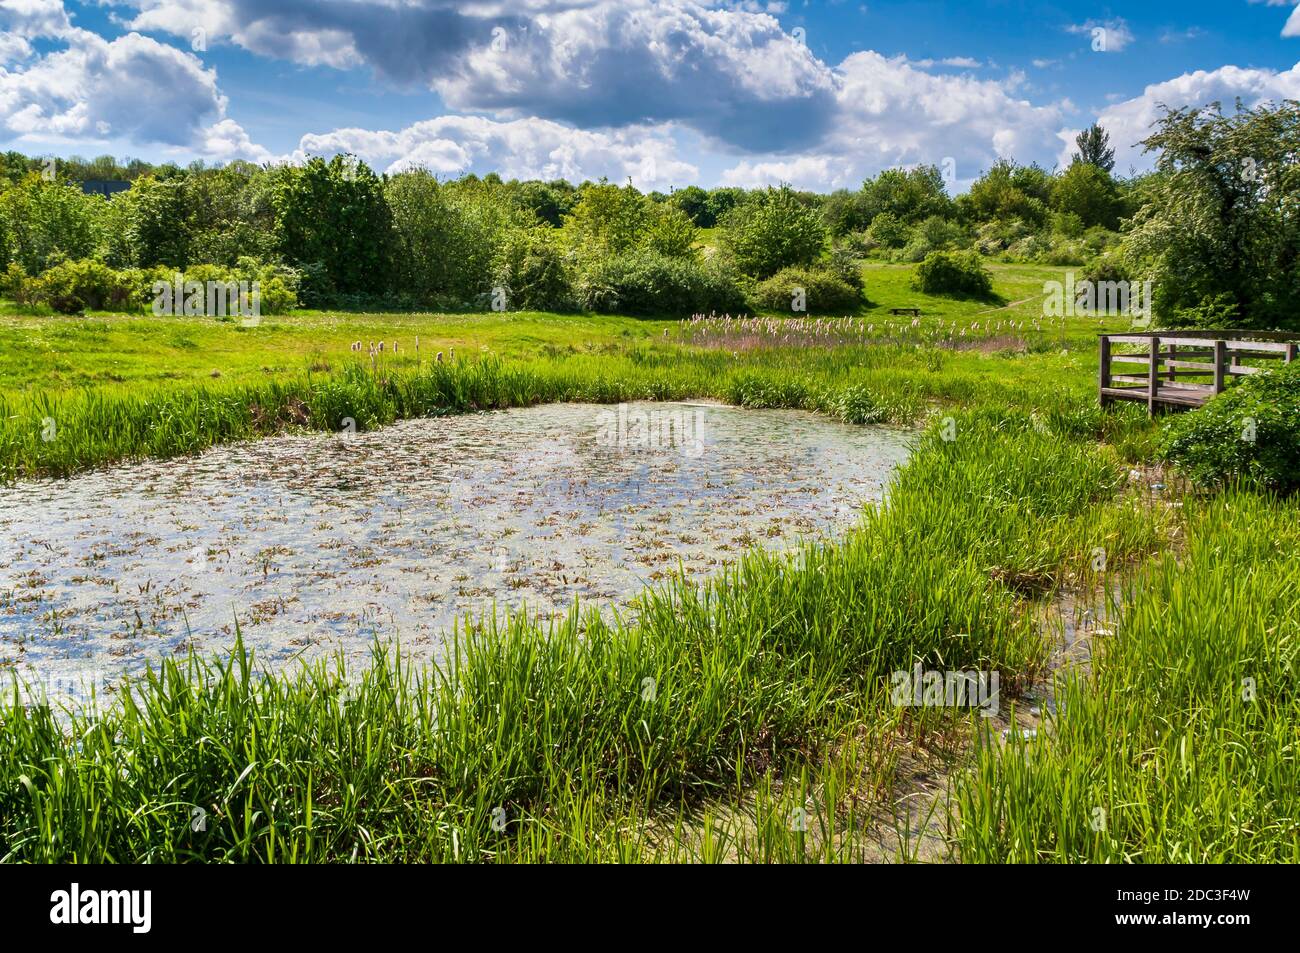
53,353
1182,745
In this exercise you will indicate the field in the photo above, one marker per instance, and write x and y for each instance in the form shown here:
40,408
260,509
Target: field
1146,634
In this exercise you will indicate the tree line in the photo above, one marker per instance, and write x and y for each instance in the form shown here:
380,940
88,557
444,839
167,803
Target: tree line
1214,226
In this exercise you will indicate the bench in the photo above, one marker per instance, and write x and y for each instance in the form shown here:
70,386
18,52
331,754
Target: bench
910,312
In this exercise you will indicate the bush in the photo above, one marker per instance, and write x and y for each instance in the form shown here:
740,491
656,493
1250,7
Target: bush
886,231
530,266
843,263
70,287
857,405
1218,311
771,230
824,292
1249,432
953,273
917,250
644,282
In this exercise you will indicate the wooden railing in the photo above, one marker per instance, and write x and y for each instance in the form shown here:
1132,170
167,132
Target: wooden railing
1172,357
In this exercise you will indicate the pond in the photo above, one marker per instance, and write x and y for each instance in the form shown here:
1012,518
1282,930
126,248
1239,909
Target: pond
319,543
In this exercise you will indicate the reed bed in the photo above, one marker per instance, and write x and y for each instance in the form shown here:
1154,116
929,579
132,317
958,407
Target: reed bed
1181,745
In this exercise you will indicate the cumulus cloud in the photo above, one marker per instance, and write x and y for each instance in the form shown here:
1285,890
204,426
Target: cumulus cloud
88,88
891,113
522,148
32,18
815,172
734,76
226,140
572,88
732,73
1131,121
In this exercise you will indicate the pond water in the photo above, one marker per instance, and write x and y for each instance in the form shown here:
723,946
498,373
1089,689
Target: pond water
319,543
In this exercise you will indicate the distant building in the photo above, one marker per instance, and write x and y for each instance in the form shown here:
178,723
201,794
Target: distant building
104,187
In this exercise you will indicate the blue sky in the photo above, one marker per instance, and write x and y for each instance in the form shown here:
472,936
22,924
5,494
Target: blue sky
668,92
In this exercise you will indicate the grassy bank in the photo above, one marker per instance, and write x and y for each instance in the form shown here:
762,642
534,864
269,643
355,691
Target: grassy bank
57,433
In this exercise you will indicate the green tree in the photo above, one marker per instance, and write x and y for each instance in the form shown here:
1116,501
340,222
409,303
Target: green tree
910,195
721,201
694,201
1008,191
1094,148
670,232
771,230
427,228
334,213
1088,192
544,200
150,224
844,212
1220,222
231,215
43,222
608,219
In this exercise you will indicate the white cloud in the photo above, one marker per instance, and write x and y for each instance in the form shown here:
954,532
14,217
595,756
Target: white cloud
13,49
89,89
818,172
32,18
731,72
521,148
226,140
1131,121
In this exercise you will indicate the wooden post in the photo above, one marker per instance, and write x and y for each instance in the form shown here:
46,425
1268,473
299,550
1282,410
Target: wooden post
1173,372
1103,379
1153,376
1290,352
1220,353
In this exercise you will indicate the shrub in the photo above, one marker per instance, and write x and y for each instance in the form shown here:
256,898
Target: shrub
857,405
1249,432
71,287
824,292
1031,248
843,263
531,267
887,231
917,250
1104,269
953,273
15,284
1217,311
644,282
771,230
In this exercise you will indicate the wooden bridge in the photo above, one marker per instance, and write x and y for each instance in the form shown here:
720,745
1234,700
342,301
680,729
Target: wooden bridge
1170,358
